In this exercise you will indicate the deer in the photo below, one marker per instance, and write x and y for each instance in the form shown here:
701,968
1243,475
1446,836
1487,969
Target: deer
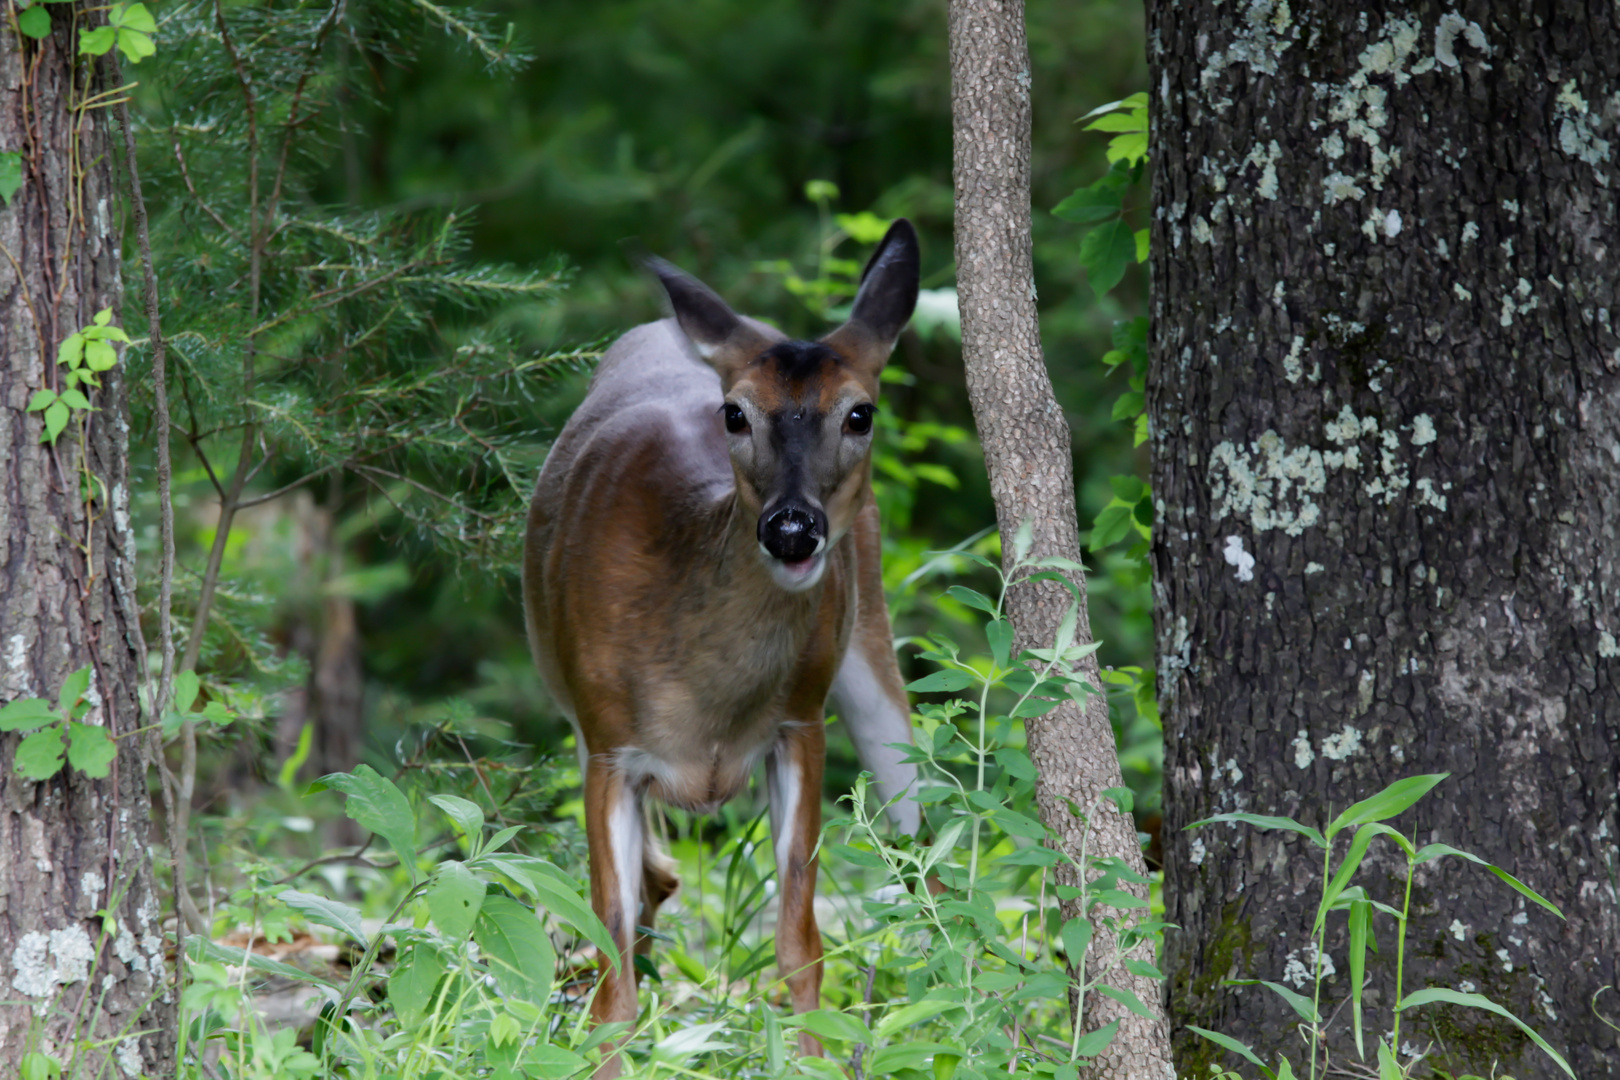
701,573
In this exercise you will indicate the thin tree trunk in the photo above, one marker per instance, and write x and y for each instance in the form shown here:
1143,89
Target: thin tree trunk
1026,446
1385,405
70,847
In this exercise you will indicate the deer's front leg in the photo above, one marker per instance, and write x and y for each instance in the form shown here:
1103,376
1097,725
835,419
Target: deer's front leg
793,778
613,828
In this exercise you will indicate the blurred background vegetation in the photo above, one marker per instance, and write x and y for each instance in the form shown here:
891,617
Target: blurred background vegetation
346,622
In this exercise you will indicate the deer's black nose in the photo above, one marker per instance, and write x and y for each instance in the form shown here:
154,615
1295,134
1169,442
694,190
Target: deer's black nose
793,533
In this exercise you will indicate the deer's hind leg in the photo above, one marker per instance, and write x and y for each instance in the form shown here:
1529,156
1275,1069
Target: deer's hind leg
658,883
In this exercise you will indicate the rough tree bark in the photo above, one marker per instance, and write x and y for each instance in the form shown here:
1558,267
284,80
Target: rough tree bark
1026,447
69,847
1385,404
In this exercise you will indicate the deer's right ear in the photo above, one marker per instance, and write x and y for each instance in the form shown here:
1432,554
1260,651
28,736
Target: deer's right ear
706,320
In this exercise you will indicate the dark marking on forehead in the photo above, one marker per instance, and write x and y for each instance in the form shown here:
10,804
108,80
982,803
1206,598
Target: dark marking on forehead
797,361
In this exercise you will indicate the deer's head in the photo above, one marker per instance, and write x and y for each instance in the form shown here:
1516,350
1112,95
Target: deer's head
798,414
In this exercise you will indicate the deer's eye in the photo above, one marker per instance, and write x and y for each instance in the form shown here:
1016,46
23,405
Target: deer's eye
736,420
859,421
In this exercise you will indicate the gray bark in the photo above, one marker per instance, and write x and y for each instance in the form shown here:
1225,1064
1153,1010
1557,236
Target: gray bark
69,847
1026,446
1385,368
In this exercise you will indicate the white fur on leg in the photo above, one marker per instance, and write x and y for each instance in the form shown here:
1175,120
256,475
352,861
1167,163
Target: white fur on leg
783,787
874,721
625,834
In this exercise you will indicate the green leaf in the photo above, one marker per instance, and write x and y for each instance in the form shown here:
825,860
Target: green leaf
1113,524
35,1065
1143,969
200,948
1127,999
909,1055
454,897
1015,824
1119,122
56,419
835,1026
1479,1001
863,228
1095,1042
941,682
1435,851
11,176
1000,634
332,913
1130,148
1388,1067
410,986
517,948
34,23
915,1013
39,756
499,840
1228,1042
1127,488
1141,245
134,45
1297,1001
1365,835
71,351
132,17
75,399
1076,938
463,812
74,687
1262,821
374,803
24,714
104,316
1105,252
99,356
96,42
1360,931
1386,804
557,893
1089,205
41,398
90,749
971,598
185,691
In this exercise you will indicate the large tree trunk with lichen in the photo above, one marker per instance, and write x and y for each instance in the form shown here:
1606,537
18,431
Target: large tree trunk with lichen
1026,448
70,847
1385,405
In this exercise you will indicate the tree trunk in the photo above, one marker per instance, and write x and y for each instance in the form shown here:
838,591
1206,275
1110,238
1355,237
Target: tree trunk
1385,406
71,846
1026,448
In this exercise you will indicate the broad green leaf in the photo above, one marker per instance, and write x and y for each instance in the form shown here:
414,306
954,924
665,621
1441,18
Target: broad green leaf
1105,252
24,714
185,691
1127,999
909,1055
1129,148
71,351
517,948
1126,487
375,804
56,419
104,316
74,687
410,987
915,1013
96,42
1479,1001
1112,525
941,682
1435,851
1263,821
1128,405
945,842
332,913
454,897
863,228
971,598
1386,804
35,23
11,176
1119,122
199,947
835,1026
463,812
1388,1067
1141,245
90,749
1020,825
135,45
547,1061
556,892
1143,969
1095,1042
42,398
1229,1043
132,17
99,356
1016,762
1089,205
1285,1071
39,756
1076,938
686,1042
500,839
75,399
35,1065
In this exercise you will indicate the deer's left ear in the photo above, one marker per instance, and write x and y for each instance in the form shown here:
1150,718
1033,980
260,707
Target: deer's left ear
886,299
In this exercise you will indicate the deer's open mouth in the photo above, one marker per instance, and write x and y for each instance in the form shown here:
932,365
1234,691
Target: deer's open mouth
796,575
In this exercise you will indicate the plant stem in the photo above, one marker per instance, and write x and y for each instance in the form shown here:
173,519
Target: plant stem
1321,937
1400,956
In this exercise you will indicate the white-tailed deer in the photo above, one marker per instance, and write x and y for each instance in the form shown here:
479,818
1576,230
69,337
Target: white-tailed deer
701,568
